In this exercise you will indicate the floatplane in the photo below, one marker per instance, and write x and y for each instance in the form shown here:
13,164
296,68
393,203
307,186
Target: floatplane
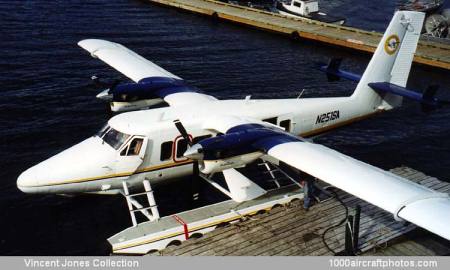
219,136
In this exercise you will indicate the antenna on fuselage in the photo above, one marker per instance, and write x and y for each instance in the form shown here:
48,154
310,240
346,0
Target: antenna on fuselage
301,93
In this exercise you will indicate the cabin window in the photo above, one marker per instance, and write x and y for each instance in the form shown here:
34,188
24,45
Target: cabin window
181,147
115,138
133,148
166,150
200,138
272,120
286,124
297,4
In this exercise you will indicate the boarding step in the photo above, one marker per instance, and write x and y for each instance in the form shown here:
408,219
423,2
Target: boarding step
135,206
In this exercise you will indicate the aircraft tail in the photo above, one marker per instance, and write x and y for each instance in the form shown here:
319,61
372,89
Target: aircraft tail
391,61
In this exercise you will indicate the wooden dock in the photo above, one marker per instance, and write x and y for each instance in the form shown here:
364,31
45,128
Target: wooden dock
290,230
416,243
428,53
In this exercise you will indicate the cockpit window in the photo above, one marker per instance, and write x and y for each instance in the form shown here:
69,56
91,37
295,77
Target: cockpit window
133,148
115,138
103,130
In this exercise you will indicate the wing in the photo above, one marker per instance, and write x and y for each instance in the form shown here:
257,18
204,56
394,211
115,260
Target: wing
124,60
406,200
144,72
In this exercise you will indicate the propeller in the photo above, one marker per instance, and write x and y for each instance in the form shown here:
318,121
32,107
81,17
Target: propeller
195,166
107,93
183,131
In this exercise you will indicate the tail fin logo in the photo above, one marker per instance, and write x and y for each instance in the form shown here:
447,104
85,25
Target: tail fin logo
391,45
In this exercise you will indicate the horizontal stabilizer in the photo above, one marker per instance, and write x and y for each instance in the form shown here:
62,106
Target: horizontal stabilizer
427,99
334,73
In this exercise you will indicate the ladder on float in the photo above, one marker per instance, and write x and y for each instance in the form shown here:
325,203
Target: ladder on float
151,211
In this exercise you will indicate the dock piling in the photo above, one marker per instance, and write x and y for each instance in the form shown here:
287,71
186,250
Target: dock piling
356,223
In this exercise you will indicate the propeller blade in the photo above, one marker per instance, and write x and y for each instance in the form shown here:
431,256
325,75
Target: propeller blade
182,131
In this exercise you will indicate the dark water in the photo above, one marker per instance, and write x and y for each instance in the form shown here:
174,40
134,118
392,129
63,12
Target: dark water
47,103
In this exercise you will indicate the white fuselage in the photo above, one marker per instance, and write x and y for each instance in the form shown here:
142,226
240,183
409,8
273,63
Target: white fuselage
95,166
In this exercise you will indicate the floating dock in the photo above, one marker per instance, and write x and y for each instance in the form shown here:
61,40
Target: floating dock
290,230
428,53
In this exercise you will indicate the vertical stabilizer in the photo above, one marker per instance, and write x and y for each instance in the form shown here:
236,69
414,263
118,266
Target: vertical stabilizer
392,60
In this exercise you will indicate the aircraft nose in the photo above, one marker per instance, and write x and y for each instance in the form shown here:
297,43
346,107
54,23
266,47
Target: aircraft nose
27,180
87,159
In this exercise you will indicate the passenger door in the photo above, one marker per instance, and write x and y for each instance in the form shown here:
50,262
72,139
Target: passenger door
131,155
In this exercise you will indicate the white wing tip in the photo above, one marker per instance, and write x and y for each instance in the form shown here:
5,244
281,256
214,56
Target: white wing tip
92,45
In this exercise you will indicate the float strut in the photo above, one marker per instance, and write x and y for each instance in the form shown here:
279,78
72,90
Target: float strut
130,205
151,200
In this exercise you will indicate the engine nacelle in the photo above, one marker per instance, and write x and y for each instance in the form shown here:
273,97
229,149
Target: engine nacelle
143,94
122,106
